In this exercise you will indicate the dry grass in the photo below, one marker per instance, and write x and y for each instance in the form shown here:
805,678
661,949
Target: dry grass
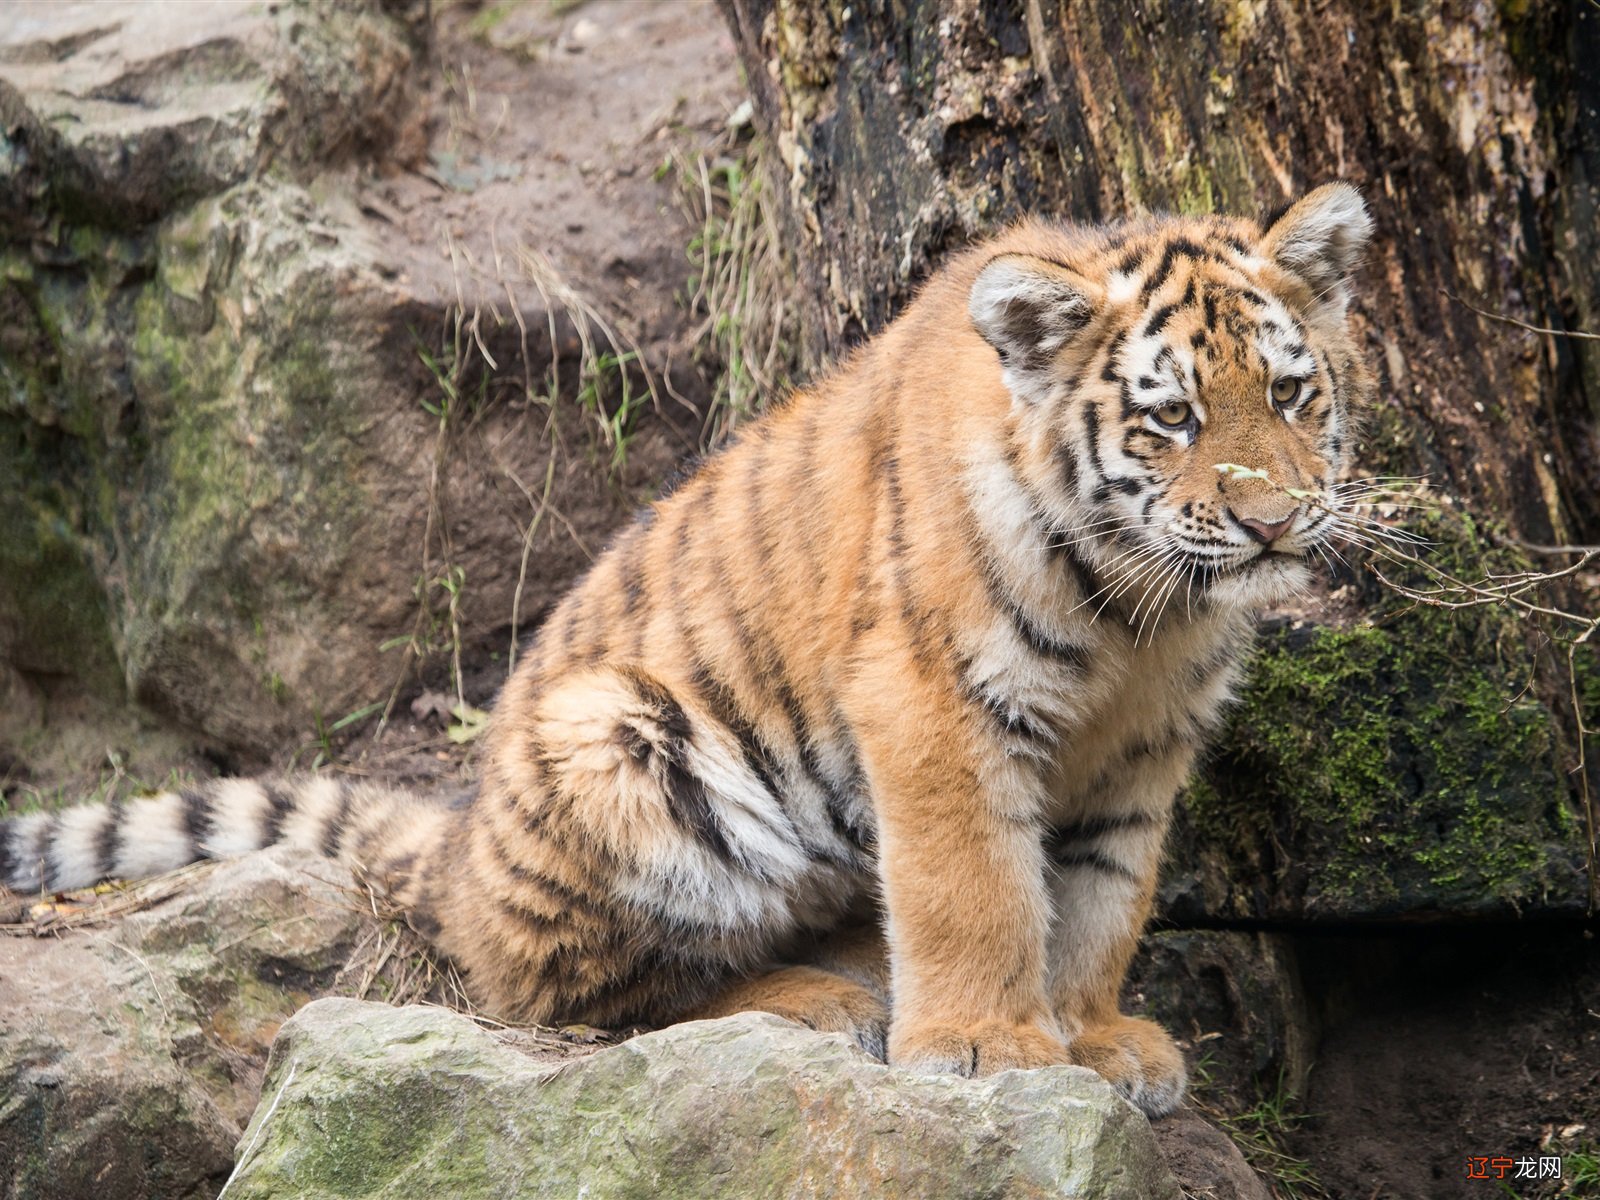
745,328
104,904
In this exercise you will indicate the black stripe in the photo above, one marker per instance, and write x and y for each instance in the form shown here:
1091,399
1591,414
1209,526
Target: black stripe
563,899
1065,552
333,835
757,755
1059,838
1108,373
108,842
919,625
687,799
1178,247
1091,422
7,860
1011,719
196,816
1203,669
666,711
1126,484
719,700
632,572
540,922
1087,578
1092,858
844,828
1131,410
1067,464
1040,642
836,797
1158,319
281,804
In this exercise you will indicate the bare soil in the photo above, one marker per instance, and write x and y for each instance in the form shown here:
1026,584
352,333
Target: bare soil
556,130
552,128
1444,1045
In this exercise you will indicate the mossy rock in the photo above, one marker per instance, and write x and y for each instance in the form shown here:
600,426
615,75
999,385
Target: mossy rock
1412,765
363,1100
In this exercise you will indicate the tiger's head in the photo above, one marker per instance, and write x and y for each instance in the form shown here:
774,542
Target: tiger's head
1183,389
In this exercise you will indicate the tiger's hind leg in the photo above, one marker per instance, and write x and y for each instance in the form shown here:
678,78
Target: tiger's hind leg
841,989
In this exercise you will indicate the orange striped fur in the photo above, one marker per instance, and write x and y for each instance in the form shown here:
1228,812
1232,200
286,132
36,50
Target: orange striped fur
876,722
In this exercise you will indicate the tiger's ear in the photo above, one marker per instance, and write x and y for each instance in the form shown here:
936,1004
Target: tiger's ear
1320,238
1028,309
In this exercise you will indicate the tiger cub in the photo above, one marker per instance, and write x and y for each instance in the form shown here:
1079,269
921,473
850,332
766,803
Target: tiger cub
876,722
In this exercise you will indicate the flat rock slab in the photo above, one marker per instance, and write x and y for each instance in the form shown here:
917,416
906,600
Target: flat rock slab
363,1100
137,108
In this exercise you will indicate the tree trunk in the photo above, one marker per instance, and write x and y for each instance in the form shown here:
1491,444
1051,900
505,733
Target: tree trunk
1386,763
906,129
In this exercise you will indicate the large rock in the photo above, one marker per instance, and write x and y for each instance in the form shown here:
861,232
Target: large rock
363,1100
117,113
1412,765
131,1057
230,476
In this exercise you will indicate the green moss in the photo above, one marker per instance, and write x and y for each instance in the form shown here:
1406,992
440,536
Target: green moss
1398,766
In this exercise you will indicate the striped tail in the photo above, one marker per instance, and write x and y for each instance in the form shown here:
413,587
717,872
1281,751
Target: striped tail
370,827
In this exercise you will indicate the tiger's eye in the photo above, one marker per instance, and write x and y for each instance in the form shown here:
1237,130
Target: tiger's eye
1286,392
1173,415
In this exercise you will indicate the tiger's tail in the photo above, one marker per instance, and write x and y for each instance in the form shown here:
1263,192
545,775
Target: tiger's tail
380,830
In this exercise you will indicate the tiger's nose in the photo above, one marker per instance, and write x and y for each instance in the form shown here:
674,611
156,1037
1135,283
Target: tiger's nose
1265,532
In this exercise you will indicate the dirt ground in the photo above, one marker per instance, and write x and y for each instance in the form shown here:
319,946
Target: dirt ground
559,128
1439,1046
555,126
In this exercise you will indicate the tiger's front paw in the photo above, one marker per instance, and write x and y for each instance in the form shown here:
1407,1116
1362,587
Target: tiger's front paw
1138,1058
982,1048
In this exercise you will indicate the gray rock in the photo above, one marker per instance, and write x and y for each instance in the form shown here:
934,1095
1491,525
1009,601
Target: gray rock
228,474
131,1057
116,113
363,1100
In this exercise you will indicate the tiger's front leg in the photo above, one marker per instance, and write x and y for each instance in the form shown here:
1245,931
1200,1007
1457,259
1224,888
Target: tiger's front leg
1102,872
963,877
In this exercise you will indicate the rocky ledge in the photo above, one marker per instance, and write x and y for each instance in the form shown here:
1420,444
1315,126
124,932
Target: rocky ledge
135,1043
367,1100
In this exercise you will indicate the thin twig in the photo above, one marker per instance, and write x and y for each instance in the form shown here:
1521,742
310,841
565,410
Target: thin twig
1535,548
1505,320
156,987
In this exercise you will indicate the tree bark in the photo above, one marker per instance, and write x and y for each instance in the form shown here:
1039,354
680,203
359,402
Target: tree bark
905,129
1384,763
